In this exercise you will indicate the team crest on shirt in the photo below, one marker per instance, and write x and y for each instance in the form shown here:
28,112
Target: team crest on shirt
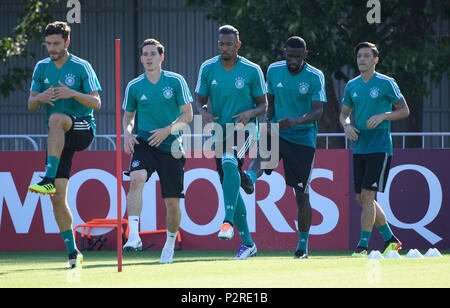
70,80
374,92
240,82
168,92
303,88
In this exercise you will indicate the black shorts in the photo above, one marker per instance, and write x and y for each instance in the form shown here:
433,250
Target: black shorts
170,169
298,161
240,149
370,171
77,138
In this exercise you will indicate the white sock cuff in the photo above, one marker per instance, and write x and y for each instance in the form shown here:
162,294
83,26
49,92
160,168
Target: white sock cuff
133,222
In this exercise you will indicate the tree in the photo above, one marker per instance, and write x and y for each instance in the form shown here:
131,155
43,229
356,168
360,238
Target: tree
31,25
410,44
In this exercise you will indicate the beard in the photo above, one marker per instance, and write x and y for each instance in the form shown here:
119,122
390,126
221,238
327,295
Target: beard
294,68
57,56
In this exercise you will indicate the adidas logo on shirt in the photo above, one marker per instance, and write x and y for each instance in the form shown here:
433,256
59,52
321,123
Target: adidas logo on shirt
143,97
374,184
214,82
279,85
46,81
355,95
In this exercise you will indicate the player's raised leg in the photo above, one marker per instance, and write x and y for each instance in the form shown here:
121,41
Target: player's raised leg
58,125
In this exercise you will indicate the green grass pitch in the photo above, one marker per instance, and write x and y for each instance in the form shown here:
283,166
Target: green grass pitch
217,269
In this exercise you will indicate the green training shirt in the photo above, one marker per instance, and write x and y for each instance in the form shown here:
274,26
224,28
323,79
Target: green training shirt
230,92
76,74
158,105
370,98
294,95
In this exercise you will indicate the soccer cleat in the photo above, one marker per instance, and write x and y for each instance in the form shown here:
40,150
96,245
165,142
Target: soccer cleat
44,187
226,232
300,254
360,252
134,243
244,252
392,244
166,255
76,259
246,183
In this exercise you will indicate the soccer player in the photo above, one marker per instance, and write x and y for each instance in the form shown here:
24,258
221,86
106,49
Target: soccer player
69,88
236,90
375,100
296,94
162,102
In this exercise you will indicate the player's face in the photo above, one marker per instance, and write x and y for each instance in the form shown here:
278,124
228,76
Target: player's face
366,59
294,58
56,46
228,46
151,59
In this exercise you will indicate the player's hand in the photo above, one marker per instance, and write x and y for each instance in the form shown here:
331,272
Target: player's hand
63,92
159,135
375,120
351,132
243,118
47,96
208,117
128,143
287,123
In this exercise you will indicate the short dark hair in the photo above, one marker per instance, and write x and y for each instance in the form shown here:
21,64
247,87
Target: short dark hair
295,42
229,29
58,27
372,47
151,41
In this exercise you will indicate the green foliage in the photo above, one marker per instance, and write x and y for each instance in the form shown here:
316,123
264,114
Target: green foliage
410,44
30,27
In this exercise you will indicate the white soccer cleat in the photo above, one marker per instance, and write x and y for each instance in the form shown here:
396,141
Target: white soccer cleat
166,255
226,232
244,252
134,243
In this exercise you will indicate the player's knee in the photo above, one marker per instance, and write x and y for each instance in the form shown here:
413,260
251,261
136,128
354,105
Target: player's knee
58,199
367,197
359,199
137,180
57,120
172,204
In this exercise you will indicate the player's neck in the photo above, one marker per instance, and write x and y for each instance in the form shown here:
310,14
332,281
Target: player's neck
367,75
300,69
229,64
154,75
59,63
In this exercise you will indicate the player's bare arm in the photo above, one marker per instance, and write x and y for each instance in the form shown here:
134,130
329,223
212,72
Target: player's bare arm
401,111
129,139
159,135
259,110
37,98
312,116
201,102
350,131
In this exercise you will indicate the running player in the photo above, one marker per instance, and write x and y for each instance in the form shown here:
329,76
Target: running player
162,102
236,89
371,97
69,88
296,94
